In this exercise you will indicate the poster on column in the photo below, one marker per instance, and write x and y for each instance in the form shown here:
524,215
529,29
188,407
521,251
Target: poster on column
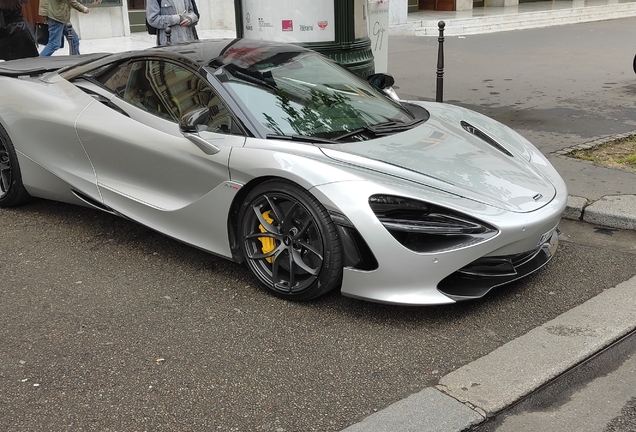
379,34
289,20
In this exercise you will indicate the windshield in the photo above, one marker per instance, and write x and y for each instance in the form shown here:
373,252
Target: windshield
308,95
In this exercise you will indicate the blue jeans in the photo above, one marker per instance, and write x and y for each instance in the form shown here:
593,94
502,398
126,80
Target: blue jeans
57,33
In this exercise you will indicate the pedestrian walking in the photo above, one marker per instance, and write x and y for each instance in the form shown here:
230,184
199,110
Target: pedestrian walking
178,15
58,13
16,35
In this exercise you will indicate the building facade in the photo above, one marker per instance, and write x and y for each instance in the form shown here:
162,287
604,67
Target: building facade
114,18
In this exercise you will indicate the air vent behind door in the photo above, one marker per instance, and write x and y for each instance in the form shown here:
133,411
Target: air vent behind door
483,136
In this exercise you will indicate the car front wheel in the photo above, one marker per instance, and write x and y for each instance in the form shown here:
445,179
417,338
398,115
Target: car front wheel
289,241
12,191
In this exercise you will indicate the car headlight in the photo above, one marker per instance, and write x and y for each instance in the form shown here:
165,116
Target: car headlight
424,227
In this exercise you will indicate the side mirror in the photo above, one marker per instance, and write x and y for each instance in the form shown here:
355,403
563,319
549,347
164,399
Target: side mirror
381,80
195,121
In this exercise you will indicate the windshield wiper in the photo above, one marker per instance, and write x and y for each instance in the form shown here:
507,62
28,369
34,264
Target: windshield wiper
364,129
302,138
386,128
380,129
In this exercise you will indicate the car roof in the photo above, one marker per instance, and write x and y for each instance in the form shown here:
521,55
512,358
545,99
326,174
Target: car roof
217,52
211,53
32,66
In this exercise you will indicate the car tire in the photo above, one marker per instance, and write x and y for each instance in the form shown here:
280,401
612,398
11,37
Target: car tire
12,191
289,241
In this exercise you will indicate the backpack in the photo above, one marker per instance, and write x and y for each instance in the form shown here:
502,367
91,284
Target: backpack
151,30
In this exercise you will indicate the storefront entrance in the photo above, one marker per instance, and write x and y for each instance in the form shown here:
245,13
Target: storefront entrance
137,15
30,12
439,5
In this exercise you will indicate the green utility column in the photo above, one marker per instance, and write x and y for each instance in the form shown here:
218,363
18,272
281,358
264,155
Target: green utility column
335,28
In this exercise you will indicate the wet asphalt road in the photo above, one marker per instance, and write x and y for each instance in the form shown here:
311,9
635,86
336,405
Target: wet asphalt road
558,86
106,325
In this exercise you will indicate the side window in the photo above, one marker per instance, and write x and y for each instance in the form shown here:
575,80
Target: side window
142,90
114,77
169,91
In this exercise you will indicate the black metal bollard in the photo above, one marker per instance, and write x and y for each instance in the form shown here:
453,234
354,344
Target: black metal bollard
439,95
69,38
168,32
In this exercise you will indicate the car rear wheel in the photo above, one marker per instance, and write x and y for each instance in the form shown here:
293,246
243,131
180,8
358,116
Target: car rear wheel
289,241
12,191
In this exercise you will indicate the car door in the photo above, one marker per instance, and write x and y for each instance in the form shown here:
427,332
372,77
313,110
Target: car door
146,169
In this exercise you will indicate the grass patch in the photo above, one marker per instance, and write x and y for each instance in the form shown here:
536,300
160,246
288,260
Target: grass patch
620,153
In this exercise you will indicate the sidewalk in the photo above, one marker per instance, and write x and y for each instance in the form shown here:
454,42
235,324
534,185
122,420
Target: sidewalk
523,16
136,41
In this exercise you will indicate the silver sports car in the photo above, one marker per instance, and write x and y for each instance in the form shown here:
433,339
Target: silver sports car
272,155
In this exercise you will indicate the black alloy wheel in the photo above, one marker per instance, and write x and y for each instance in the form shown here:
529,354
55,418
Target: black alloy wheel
5,170
12,191
289,241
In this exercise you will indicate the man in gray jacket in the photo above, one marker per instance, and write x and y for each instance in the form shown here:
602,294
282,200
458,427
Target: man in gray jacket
178,15
58,13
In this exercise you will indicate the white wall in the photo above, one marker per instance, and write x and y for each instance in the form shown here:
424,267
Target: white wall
216,14
101,22
105,22
398,10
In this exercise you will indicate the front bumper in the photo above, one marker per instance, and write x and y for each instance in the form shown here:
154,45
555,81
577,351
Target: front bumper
410,278
479,277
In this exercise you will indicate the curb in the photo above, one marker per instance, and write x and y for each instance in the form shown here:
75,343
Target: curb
612,211
481,389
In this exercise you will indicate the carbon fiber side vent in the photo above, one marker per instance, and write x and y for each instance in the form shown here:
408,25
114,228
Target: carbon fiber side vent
483,136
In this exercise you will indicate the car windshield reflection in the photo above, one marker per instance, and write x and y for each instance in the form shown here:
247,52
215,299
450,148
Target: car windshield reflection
310,96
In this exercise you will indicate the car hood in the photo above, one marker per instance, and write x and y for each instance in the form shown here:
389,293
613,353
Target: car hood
492,165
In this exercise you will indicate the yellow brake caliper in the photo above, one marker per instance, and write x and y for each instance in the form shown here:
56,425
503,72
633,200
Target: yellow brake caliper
267,242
